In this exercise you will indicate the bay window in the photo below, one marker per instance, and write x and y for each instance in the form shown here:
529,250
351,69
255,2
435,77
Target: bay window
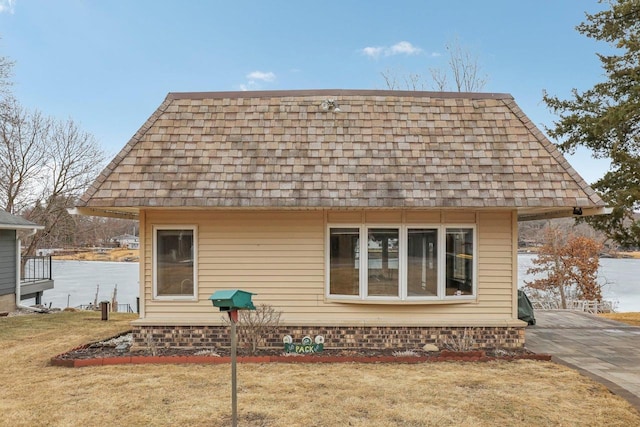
406,263
382,262
422,262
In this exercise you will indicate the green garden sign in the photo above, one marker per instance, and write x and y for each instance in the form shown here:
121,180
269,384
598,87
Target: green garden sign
308,346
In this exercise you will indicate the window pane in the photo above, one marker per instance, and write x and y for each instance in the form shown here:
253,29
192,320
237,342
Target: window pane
459,261
344,267
382,256
422,262
174,264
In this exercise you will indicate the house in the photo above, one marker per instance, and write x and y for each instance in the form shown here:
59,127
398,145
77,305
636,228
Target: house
379,218
20,278
128,241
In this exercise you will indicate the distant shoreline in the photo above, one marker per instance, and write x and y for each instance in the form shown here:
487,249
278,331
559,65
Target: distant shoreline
115,254
616,255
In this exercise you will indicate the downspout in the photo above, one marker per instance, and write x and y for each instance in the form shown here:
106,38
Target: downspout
18,268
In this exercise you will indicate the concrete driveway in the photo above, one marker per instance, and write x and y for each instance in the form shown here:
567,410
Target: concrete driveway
602,349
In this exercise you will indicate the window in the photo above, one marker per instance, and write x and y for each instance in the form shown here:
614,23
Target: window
401,262
422,262
459,261
382,262
345,263
174,265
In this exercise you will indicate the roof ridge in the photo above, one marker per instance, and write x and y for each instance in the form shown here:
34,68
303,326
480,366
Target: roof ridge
133,141
553,150
336,92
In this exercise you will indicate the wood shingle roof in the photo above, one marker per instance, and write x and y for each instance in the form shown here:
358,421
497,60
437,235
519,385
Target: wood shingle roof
383,149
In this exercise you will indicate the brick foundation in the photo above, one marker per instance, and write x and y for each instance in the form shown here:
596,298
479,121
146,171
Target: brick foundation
378,337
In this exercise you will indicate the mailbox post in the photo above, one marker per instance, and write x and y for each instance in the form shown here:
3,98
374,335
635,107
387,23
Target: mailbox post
231,301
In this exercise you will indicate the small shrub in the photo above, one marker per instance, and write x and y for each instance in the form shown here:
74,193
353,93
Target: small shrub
254,325
460,342
151,345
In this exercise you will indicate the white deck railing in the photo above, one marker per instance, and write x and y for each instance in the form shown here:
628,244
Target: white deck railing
593,307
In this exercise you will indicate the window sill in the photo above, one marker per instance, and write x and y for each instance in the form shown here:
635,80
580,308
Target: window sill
450,300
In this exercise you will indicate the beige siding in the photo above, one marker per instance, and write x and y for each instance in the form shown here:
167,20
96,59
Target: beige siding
467,217
280,257
423,217
380,217
144,264
496,263
345,217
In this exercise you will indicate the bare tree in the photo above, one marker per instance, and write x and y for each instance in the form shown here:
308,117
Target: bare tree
532,233
463,69
92,230
439,77
414,82
44,166
390,79
6,68
73,159
411,81
23,150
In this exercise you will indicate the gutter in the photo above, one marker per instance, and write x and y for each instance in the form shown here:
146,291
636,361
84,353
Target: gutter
566,213
18,265
109,213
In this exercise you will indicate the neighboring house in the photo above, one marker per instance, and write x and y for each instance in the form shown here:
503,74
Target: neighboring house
380,218
126,241
19,283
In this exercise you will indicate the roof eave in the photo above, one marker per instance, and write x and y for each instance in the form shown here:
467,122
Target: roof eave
105,212
564,213
21,227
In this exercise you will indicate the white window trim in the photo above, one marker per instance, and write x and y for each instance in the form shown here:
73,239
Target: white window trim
154,260
402,264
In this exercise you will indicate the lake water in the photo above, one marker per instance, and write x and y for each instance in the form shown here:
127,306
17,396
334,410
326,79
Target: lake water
76,281
621,278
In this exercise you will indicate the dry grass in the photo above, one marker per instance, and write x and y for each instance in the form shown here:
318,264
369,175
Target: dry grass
629,318
440,394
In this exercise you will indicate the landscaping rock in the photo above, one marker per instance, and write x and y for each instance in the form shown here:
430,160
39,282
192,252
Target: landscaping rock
430,348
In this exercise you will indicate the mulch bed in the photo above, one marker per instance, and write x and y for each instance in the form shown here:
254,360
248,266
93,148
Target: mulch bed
107,353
